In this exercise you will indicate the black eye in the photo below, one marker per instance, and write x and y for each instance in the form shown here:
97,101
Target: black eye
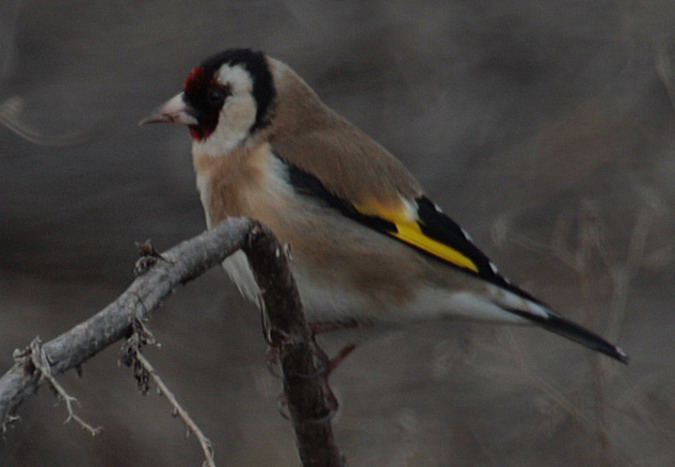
215,97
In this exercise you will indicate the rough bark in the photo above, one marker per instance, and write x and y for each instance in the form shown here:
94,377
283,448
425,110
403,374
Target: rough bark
160,274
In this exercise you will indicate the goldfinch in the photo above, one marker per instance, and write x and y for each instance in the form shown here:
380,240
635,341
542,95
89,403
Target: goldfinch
368,245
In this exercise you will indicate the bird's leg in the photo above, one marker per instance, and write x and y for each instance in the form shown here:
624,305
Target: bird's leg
341,355
329,326
330,364
325,365
324,368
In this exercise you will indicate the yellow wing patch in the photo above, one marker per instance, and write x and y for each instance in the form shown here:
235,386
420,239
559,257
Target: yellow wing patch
409,231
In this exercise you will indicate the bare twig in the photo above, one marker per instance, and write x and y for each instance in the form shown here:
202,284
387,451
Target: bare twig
39,360
182,413
185,262
304,385
289,334
204,442
132,356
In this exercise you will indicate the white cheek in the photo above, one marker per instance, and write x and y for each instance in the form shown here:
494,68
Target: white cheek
234,124
236,117
239,113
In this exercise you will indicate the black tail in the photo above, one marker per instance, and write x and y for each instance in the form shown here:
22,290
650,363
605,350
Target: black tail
573,331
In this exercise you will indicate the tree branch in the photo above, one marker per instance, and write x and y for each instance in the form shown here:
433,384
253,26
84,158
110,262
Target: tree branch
289,334
161,275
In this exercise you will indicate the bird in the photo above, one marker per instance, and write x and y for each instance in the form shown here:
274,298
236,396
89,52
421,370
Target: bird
368,245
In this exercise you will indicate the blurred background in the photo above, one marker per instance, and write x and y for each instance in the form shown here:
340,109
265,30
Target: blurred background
546,128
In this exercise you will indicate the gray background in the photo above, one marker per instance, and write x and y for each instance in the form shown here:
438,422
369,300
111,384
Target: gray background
545,128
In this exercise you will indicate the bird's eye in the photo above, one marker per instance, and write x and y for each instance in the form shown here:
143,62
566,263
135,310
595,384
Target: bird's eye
215,97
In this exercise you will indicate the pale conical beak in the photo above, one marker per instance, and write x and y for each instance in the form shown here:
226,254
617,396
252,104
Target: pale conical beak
175,110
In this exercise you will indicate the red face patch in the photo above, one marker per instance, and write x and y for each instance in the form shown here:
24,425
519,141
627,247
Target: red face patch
197,81
196,88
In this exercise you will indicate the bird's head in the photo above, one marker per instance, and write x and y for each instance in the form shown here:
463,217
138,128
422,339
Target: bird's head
226,99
